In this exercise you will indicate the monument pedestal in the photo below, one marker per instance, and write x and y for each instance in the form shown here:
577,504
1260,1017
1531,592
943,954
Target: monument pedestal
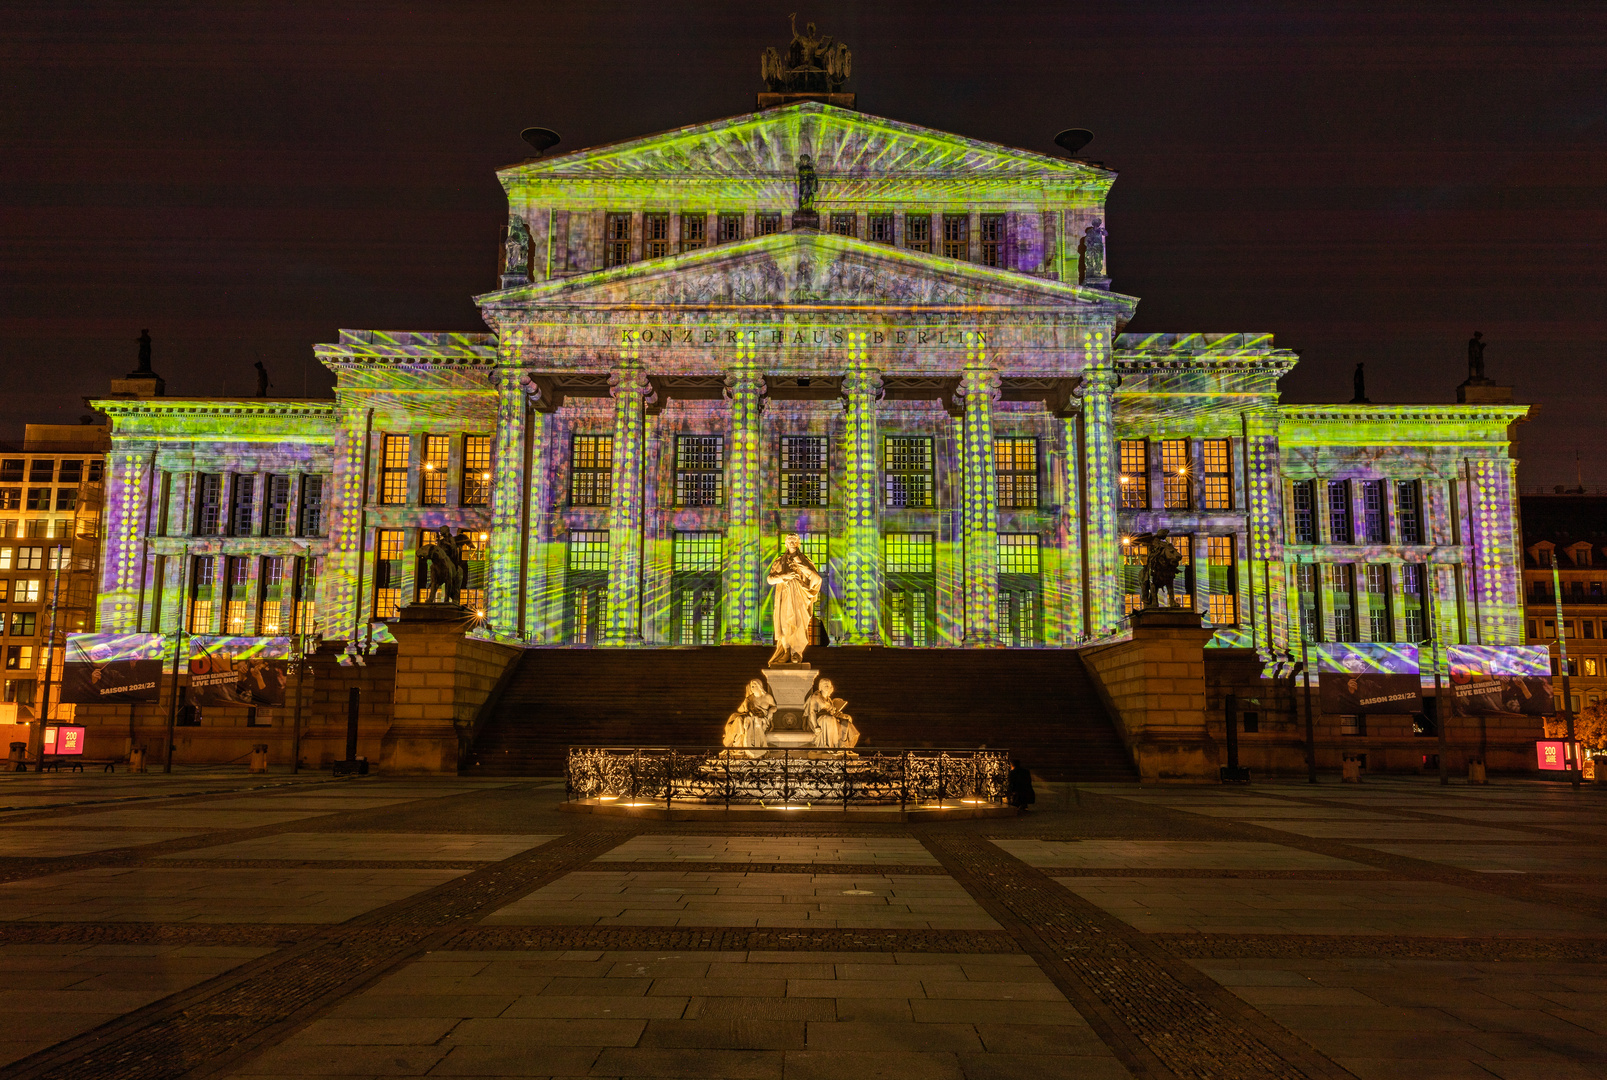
790,685
442,678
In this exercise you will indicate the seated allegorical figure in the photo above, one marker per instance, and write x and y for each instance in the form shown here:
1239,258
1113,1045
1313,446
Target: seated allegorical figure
748,726
833,728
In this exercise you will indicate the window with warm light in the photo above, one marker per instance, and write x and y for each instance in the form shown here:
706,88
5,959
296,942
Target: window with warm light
432,470
476,470
1134,478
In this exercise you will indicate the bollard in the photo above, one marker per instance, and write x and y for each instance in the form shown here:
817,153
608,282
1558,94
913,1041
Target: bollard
1476,771
1350,771
136,759
19,757
259,758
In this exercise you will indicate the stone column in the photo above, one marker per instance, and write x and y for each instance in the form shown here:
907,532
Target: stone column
744,387
862,562
504,584
1100,469
622,622
979,516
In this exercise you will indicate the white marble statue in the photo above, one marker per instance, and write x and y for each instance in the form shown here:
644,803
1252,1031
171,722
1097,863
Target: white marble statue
796,587
833,728
749,726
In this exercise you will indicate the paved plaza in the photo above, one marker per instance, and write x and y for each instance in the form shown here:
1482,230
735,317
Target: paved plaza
220,924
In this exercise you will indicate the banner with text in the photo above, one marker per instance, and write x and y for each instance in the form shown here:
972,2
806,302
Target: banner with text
122,669
1355,693
1490,679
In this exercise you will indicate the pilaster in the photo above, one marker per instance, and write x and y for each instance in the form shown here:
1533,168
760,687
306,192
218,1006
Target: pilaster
862,563
631,391
979,516
744,388
1100,497
504,587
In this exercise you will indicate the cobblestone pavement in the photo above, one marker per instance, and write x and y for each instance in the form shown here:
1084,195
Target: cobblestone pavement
216,924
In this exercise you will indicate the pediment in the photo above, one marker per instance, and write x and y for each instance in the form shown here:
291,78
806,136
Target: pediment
806,268
844,144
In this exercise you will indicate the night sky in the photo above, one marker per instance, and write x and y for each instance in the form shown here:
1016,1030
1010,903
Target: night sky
1370,182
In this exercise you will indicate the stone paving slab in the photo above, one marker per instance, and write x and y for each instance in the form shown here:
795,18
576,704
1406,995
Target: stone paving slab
625,898
297,801
659,847
53,843
446,847
1444,1018
1536,858
224,895
168,816
1343,828
1245,906
50,993
1170,854
738,1014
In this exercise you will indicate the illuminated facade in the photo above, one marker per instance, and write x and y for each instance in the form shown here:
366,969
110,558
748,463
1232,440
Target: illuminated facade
932,386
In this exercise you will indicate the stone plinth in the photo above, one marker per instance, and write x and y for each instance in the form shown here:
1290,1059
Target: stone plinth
442,678
1483,392
1154,686
790,685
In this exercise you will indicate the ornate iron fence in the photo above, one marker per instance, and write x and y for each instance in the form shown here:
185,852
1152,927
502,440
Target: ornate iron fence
647,775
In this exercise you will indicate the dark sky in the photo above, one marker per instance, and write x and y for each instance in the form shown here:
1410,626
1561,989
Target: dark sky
1371,182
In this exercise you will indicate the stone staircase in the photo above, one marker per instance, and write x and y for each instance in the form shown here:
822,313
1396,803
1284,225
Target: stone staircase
1039,703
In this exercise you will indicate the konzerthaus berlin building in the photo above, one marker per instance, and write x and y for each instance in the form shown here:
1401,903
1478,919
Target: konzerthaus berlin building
927,378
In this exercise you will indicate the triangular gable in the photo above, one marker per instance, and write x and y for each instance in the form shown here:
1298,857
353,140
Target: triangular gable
808,268
843,143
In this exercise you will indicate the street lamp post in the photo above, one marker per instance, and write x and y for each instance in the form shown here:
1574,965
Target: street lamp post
1562,649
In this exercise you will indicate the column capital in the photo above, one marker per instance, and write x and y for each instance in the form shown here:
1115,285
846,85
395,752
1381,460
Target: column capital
861,382
745,379
1098,380
630,378
979,383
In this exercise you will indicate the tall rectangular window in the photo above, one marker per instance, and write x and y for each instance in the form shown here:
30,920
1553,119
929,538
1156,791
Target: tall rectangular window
273,594
587,584
804,470
1379,626
234,611
1339,531
474,553
432,470
244,505
1217,457
1015,463
1175,474
655,236
879,227
909,560
1018,553
1020,600
842,224
1306,584
616,239
202,583
992,239
699,470
907,471
694,231
591,469
312,505
1304,507
1340,579
276,521
695,601
1373,529
1408,511
1414,597
389,549
476,470
208,504
766,224
728,228
1135,474
956,236
395,456
918,232
1222,582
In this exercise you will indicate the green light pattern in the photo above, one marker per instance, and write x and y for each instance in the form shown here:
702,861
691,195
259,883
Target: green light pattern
861,587
979,389
630,389
1104,545
507,498
744,387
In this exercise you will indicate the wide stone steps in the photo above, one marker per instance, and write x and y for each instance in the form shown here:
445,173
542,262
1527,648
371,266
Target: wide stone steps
1039,703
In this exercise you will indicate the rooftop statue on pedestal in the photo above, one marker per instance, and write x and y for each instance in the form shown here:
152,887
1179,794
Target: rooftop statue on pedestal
1476,358
814,63
796,587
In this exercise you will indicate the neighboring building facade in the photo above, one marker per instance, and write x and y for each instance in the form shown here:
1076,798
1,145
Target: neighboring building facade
1574,528
50,540
927,378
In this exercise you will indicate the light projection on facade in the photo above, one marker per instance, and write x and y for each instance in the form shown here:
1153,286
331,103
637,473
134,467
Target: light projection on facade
922,387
